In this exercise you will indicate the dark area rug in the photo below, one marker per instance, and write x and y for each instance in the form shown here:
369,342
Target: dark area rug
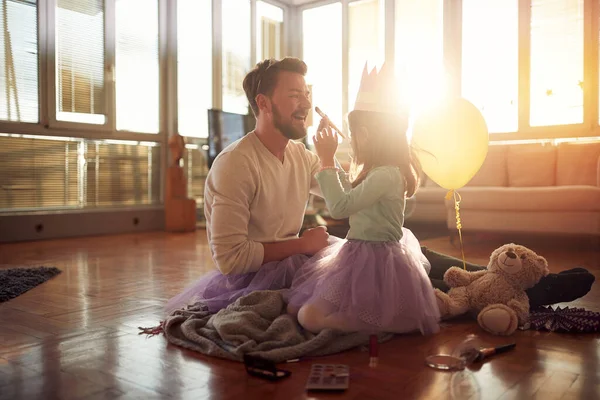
16,281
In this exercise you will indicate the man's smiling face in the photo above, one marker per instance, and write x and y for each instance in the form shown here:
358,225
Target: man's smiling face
290,105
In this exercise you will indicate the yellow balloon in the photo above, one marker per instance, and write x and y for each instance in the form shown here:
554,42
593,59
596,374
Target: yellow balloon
451,142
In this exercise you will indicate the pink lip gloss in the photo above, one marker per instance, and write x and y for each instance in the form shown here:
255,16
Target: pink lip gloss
373,351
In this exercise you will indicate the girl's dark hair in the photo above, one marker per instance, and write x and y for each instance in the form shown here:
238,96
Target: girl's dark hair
386,145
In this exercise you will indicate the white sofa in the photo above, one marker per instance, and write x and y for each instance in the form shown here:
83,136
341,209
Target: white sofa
528,188
427,205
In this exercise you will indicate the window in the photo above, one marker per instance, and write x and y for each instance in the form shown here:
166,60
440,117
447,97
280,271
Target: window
18,61
120,173
82,46
80,91
236,54
269,31
195,167
490,60
419,51
556,62
366,41
323,56
136,66
50,172
69,173
194,66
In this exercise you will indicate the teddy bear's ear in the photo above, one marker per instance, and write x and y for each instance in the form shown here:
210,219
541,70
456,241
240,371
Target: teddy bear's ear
542,260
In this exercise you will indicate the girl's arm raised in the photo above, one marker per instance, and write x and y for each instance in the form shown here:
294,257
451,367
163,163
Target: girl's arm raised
342,204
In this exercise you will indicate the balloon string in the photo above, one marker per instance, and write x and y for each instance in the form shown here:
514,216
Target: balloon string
457,199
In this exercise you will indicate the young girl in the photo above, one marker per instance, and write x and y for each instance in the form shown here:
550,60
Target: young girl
376,279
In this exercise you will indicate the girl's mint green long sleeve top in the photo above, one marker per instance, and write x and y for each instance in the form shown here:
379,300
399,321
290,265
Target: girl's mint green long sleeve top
375,207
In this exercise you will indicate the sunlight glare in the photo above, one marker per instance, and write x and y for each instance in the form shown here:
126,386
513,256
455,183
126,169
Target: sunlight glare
419,64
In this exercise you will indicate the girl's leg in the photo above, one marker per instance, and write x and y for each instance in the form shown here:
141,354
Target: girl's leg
314,317
440,263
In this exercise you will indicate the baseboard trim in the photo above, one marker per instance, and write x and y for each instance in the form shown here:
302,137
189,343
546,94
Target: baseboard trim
56,225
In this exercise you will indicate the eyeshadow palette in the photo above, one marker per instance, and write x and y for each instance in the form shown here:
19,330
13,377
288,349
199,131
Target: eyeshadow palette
328,377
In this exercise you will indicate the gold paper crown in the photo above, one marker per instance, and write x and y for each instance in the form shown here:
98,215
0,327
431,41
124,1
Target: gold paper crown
378,91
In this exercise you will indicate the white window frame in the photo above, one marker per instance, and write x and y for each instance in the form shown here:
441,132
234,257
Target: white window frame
452,28
589,127
292,45
48,125
109,67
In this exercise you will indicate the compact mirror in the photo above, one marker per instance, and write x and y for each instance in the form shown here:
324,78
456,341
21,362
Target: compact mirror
465,353
445,362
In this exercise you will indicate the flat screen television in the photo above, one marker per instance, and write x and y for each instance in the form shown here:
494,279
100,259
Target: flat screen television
225,128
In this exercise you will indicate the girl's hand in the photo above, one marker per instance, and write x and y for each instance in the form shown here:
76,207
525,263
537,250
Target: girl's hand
326,143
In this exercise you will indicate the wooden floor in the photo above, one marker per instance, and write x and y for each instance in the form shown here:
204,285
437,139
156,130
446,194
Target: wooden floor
76,336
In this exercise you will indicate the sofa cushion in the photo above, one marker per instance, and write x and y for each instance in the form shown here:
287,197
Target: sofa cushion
577,163
553,222
531,165
493,170
554,198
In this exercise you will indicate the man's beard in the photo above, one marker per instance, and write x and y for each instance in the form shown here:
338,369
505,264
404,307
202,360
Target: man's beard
287,129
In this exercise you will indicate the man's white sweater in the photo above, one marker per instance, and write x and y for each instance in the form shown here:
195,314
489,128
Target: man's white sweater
251,197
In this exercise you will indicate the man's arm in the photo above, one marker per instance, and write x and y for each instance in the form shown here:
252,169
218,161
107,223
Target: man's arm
312,241
230,188
278,251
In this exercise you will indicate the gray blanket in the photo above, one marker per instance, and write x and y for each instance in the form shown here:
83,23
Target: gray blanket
256,324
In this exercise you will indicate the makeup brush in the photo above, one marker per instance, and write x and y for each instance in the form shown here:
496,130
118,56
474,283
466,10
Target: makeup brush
335,128
477,355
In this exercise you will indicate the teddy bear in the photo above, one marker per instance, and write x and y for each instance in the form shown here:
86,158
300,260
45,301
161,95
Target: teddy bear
497,294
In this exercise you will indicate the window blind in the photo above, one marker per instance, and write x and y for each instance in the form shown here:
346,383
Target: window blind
121,174
80,92
137,66
19,100
38,173
66,173
556,62
195,168
194,66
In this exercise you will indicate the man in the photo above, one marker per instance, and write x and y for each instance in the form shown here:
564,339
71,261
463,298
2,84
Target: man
258,188
257,191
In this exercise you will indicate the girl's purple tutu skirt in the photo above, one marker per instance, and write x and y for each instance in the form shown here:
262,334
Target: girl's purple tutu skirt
372,286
